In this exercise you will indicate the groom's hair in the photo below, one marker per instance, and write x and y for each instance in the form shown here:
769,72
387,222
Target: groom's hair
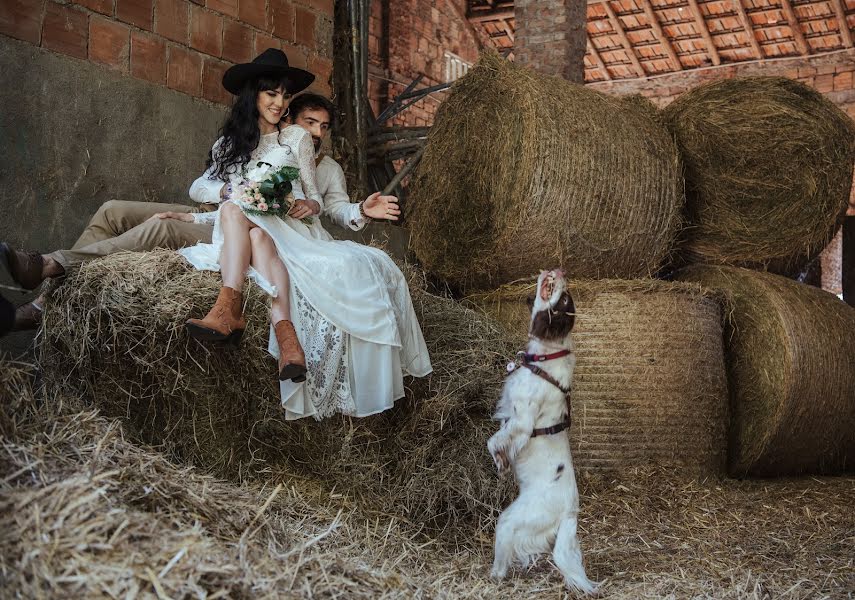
310,101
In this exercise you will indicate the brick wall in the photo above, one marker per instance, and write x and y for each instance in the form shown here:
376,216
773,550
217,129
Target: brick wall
833,74
409,38
185,45
550,37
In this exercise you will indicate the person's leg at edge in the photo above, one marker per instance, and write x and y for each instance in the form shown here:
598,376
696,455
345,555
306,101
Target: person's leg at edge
265,260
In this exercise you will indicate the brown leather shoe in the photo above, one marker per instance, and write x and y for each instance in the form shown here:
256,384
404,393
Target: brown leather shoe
24,267
27,317
292,361
223,323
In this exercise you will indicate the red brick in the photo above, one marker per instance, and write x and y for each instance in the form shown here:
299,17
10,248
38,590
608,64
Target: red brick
843,81
172,19
22,19
206,31
109,43
322,68
212,81
824,83
237,42
281,19
263,42
324,6
304,27
136,12
227,7
148,58
254,12
184,71
105,7
65,30
296,56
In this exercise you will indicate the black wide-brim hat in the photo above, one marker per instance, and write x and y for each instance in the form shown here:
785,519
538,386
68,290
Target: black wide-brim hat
270,62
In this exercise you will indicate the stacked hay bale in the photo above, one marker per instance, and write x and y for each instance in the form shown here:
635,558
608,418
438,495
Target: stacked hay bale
649,385
523,170
791,361
115,335
768,167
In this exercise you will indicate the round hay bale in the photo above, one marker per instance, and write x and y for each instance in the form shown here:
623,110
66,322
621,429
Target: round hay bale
768,166
523,169
114,334
650,384
791,366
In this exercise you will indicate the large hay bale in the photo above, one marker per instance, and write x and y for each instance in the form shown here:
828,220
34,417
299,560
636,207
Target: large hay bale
649,385
523,170
768,167
114,334
791,366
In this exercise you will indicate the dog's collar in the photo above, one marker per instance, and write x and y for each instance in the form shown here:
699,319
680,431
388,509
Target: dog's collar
543,357
565,424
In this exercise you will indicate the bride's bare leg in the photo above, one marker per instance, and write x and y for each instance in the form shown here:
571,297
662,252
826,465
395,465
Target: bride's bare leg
265,259
237,248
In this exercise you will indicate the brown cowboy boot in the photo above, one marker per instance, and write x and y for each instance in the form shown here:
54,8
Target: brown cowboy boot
27,317
292,361
24,267
223,323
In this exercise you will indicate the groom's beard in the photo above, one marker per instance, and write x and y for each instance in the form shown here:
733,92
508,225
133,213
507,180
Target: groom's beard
318,143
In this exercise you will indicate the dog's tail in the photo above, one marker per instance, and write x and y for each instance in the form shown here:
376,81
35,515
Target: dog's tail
568,558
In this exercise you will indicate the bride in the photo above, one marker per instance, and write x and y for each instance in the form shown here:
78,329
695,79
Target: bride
346,304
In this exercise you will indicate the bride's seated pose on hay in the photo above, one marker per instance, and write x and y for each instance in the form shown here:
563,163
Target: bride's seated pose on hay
347,305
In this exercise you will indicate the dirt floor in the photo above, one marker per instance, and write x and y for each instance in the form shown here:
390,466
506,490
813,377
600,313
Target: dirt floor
86,513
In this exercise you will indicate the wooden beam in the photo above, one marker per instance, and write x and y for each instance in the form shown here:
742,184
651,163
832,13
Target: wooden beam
795,27
627,45
842,24
701,24
599,60
660,35
508,30
749,29
496,15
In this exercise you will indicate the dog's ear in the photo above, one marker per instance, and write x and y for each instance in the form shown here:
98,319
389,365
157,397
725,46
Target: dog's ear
530,302
569,306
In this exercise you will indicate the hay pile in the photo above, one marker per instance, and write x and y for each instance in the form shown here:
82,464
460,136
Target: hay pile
84,512
523,170
768,167
791,364
115,335
649,385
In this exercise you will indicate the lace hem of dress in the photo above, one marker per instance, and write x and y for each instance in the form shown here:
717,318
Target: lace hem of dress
325,345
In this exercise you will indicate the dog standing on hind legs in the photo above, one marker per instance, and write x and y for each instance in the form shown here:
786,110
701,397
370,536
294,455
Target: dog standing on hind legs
534,411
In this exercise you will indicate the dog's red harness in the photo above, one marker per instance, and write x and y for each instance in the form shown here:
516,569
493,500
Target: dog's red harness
525,360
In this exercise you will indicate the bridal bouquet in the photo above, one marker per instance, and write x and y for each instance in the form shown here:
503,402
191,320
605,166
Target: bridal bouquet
267,191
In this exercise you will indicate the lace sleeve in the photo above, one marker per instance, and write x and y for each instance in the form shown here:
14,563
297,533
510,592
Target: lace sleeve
308,174
205,189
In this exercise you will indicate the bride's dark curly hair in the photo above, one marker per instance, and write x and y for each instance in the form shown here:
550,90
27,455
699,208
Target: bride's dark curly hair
240,133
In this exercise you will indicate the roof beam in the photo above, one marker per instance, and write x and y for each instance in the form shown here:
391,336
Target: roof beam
494,15
599,60
701,24
627,45
798,36
749,29
842,24
660,35
508,30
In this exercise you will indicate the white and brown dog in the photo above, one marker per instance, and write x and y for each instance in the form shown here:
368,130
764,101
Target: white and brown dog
534,411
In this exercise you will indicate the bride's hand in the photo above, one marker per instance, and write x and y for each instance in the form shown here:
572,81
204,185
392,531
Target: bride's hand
186,217
304,208
381,207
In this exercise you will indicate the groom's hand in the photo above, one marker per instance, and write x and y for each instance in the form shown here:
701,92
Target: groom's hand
381,207
186,217
304,208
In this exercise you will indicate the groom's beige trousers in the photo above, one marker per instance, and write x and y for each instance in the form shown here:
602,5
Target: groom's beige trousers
120,225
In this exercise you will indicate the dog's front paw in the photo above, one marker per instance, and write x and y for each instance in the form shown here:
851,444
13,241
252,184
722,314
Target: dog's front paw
498,572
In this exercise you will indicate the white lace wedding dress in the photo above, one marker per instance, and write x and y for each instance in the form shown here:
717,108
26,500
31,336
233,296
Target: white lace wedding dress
349,303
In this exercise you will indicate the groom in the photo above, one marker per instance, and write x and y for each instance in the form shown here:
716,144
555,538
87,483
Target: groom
140,226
